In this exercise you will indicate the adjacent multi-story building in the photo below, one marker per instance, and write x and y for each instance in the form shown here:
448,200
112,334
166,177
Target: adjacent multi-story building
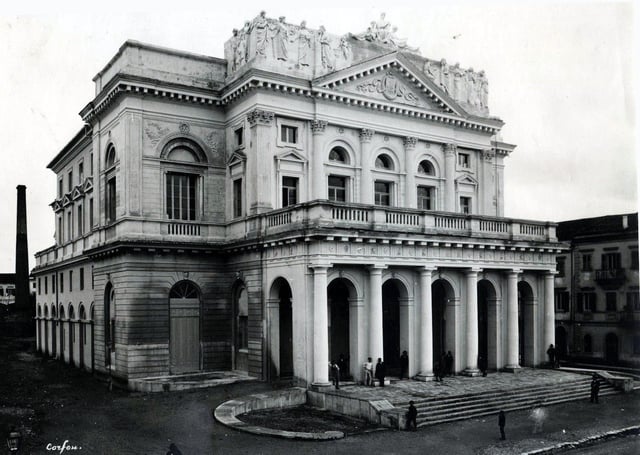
307,196
597,299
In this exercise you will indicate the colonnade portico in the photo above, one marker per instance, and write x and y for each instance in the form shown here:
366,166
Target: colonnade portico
366,324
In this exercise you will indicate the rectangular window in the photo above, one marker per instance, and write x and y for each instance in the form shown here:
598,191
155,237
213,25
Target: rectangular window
237,198
239,137
60,231
110,206
586,262
80,172
289,191
46,285
611,261
463,160
382,193
611,300
60,188
634,260
92,278
81,278
90,213
39,286
53,283
465,205
91,164
586,302
562,300
80,221
181,196
69,225
70,181
70,280
337,188
426,198
61,284
289,134
560,265
633,301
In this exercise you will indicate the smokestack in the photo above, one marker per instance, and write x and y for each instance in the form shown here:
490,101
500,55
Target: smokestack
22,252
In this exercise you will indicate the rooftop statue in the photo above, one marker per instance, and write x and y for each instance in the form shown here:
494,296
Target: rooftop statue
381,32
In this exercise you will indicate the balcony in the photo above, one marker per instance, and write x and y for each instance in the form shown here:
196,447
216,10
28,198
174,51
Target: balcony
318,215
610,278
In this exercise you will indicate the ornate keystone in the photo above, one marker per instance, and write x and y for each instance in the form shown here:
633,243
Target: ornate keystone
366,135
410,142
258,116
318,126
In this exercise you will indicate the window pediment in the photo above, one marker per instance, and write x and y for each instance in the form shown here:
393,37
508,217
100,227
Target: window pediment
466,180
237,157
291,155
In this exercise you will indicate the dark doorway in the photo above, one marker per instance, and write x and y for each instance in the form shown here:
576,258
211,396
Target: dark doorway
561,342
526,341
391,327
338,296
286,331
611,348
483,325
439,298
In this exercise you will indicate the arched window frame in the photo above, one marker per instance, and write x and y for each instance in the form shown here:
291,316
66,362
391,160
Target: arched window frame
340,174
385,178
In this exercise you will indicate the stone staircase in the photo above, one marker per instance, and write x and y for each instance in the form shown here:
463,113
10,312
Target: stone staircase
435,410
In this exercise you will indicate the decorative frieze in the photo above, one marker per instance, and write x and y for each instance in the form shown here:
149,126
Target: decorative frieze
410,142
259,116
366,135
318,126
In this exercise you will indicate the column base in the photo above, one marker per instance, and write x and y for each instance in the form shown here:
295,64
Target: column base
512,369
471,372
425,377
319,386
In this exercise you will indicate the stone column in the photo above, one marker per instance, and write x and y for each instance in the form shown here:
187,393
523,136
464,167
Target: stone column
411,196
318,178
376,348
450,177
426,326
472,323
549,311
366,184
259,161
320,326
513,342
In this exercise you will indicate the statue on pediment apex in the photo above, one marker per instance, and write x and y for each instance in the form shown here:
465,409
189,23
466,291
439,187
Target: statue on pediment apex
381,32
326,52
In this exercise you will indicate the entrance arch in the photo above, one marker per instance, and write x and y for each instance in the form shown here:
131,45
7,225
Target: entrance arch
341,293
54,322
611,347
72,335
487,325
240,328
184,328
281,322
443,320
82,335
526,337
110,325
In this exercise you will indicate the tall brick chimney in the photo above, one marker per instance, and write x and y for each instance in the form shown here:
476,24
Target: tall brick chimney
22,252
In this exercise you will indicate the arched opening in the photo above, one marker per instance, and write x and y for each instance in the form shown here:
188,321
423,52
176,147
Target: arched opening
526,307
281,329
63,335
54,322
611,347
72,337
241,329
393,295
39,343
384,161
91,337
442,322
339,154
487,326
46,329
184,328
425,167
82,335
110,157
339,342
561,342
110,325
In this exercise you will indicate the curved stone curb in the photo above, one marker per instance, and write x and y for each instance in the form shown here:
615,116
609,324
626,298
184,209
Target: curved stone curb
586,441
226,414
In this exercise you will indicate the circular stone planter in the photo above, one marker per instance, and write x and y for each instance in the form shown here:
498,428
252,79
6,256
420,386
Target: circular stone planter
226,414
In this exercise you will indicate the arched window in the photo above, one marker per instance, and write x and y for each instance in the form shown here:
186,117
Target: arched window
72,313
181,185
588,344
46,311
339,155
184,290
39,310
384,162
182,154
110,157
83,314
425,167
110,322
61,312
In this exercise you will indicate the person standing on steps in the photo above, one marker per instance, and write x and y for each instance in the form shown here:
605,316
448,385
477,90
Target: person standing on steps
335,374
412,416
551,352
404,365
380,371
368,373
502,420
595,389
449,364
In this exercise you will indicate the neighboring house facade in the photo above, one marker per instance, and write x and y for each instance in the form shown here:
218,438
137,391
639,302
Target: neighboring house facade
597,298
303,198
7,289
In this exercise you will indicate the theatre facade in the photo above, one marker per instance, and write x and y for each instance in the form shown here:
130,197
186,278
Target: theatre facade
307,196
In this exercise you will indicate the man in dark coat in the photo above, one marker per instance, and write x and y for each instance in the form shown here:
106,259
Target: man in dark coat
335,374
551,352
342,364
502,420
412,416
449,364
404,365
380,371
595,389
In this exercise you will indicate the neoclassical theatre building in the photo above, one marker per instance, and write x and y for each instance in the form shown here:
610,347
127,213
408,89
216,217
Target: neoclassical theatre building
307,196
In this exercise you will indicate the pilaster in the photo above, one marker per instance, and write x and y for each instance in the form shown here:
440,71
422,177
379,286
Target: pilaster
450,177
320,326
471,276
513,345
425,364
376,343
318,176
258,162
411,195
366,184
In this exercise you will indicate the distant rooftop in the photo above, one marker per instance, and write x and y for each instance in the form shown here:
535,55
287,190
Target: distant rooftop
610,224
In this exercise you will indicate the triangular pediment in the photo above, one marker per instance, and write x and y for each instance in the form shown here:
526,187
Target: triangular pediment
466,180
76,193
66,200
391,79
56,205
236,157
291,155
88,184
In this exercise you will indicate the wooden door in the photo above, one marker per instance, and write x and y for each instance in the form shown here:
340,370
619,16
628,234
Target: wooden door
185,335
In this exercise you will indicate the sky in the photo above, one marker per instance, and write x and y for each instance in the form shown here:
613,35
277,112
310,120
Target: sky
562,75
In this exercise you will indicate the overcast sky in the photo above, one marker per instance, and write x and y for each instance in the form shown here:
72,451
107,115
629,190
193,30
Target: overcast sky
561,75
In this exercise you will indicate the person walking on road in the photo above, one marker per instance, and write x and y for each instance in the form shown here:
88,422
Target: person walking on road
412,416
502,420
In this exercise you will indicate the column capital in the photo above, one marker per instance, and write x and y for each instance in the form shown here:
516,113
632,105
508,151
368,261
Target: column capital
450,149
366,135
550,273
318,126
260,117
427,270
410,142
320,267
514,272
472,271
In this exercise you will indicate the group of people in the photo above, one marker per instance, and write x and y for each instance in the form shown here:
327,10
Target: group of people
379,373
444,367
554,357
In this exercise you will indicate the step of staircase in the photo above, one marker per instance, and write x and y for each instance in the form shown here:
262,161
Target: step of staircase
435,410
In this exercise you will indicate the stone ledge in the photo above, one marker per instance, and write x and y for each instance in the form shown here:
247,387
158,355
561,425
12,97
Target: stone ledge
226,414
634,430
